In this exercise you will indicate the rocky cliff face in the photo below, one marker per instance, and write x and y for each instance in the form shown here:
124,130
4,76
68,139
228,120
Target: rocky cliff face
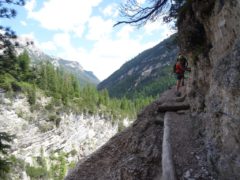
215,80
38,131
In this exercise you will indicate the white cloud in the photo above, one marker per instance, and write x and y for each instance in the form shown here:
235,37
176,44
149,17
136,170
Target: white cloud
111,10
124,32
99,28
43,46
141,1
48,46
79,30
62,40
107,56
158,27
150,27
65,15
27,37
30,5
23,23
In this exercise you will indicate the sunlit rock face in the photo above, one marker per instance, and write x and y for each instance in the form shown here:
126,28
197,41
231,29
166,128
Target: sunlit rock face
215,80
37,131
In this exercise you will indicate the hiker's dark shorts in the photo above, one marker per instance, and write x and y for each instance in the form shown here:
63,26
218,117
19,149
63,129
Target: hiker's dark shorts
179,76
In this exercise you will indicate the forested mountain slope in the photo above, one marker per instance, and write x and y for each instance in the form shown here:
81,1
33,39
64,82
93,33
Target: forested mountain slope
148,74
73,67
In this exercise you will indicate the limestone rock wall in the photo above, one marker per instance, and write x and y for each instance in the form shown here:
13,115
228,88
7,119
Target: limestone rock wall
214,87
34,132
133,154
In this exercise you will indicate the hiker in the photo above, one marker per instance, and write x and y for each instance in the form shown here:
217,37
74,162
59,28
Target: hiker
179,68
184,63
179,72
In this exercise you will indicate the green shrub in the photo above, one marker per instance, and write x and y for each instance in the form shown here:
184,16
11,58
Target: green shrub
35,107
52,117
73,152
36,172
17,162
32,95
57,102
57,122
20,114
29,89
58,167
50,106
16,86
6,81
72,165
25,86
45,127
121,126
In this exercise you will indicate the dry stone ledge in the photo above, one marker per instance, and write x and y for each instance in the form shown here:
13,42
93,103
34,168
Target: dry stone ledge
170,106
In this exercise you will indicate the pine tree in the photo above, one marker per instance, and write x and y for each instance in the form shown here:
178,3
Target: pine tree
6,34
4,147
43,78
24,65
8,62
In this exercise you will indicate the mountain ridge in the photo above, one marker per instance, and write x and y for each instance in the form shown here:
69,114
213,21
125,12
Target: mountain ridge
148,74
74,67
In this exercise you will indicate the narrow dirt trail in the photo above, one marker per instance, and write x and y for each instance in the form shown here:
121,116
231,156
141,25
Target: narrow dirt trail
188,150
182,144
189,157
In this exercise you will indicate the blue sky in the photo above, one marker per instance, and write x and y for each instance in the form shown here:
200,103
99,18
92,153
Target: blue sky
82,30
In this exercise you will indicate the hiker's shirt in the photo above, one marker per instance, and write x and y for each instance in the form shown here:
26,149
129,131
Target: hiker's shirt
179,69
